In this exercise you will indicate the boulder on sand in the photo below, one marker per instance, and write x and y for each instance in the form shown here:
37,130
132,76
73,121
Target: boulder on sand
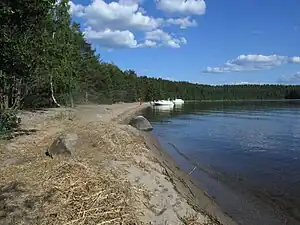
63,145
141,123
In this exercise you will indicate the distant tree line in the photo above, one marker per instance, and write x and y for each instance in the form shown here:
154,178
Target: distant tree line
45,61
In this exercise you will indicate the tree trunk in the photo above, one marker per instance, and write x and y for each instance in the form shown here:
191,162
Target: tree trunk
71,100
52,92
86,97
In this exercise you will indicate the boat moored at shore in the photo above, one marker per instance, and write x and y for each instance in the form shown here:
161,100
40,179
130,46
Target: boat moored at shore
162,103
178,101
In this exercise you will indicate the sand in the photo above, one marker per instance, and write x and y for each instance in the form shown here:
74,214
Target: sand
116,175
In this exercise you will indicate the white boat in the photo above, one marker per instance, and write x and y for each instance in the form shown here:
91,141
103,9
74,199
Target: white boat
162,102
178,101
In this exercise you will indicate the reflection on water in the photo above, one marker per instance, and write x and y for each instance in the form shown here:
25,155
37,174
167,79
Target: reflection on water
167,109
163,108
179,106
250,146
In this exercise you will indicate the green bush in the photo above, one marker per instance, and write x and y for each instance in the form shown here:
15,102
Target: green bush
8,121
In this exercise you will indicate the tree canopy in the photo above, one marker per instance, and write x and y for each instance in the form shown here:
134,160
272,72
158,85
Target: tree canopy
45,60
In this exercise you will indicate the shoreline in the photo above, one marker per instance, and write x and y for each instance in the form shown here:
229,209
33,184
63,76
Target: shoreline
244,100
115,173
241,201
183,183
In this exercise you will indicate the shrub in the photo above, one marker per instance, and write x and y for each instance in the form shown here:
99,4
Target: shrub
8,121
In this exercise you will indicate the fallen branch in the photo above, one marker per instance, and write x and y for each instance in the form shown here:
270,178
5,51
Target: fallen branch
192,170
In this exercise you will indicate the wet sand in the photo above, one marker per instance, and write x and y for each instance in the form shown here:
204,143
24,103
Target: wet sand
184,184
181,181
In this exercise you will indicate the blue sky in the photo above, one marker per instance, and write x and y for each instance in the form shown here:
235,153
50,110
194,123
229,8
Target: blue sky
211,42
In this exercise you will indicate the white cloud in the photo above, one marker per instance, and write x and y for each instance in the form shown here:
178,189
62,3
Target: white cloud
114,24
295,59
183,22
116,39
149,43
165,38
183,40
196,7
112,39
252,62
76,9
240,83
142,10
100,15
130,2
215,70
164,78
295,78
169,78
246,83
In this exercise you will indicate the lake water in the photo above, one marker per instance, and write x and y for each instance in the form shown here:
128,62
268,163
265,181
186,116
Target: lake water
246,155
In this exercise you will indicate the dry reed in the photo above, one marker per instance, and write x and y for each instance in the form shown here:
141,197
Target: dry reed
78,190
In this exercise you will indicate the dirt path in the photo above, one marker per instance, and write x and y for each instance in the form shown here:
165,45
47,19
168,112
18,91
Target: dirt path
112,176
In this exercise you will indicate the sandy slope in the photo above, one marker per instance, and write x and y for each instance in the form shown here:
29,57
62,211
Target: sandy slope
116,175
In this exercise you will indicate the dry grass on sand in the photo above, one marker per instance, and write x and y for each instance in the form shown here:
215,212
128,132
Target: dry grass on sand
81,189
70,194
77,190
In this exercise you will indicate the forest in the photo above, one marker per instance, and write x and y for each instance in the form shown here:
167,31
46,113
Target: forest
47,62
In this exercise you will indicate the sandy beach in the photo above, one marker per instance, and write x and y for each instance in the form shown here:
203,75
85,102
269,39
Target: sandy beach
115,174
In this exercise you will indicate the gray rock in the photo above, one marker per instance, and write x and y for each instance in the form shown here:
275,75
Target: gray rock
141,123
63,145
